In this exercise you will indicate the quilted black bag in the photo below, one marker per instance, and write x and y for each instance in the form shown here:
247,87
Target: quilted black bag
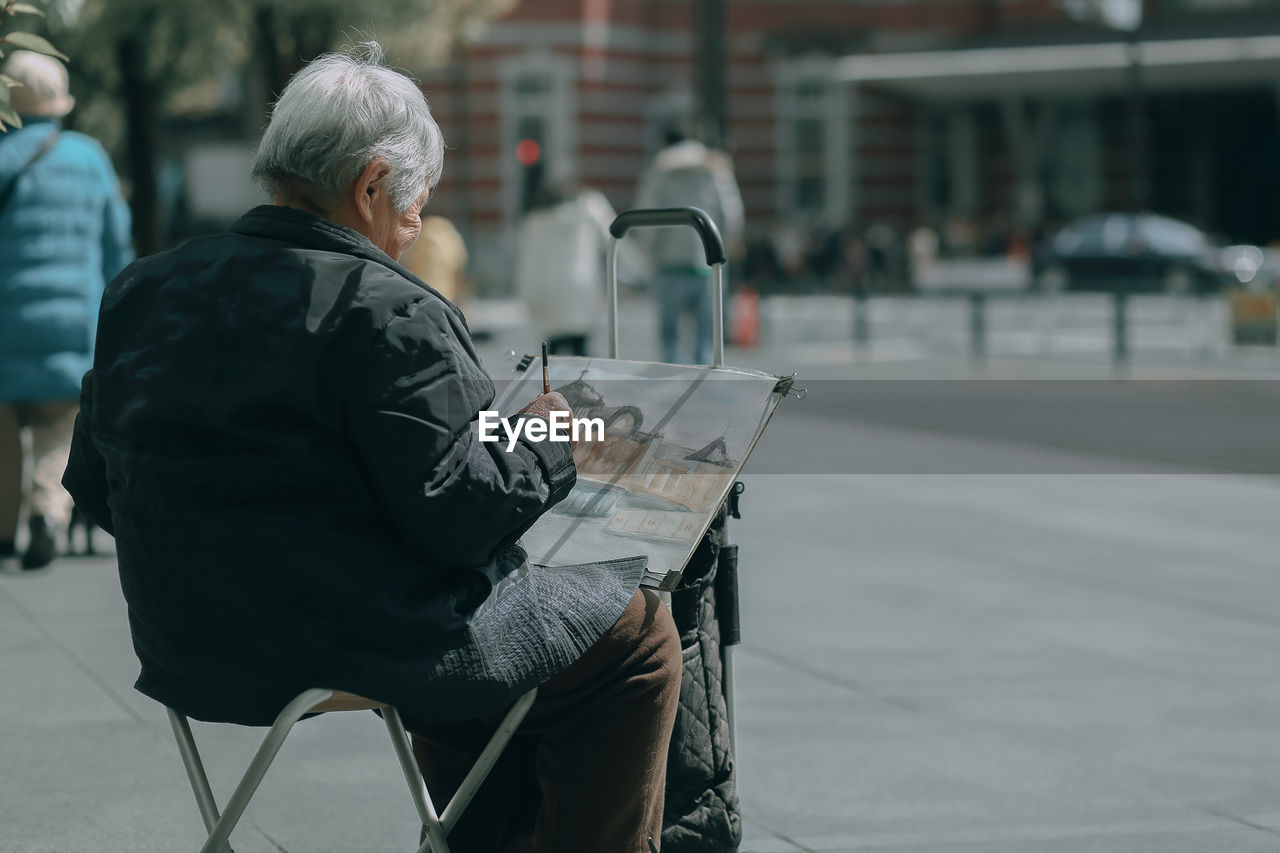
702,814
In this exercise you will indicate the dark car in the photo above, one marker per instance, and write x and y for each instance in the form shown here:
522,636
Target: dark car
1137,252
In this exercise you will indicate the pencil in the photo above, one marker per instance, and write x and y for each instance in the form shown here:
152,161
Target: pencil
546,377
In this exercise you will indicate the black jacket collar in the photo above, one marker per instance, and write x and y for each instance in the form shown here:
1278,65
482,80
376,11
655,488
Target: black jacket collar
291,225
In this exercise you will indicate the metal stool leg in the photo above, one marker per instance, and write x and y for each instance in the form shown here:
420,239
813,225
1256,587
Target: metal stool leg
220,832
487,759
476,776
435,840
195,770
220,826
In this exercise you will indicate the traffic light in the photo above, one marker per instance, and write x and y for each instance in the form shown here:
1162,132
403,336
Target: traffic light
532,171
528,151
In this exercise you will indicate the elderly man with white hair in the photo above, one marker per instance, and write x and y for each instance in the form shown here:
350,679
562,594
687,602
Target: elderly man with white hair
64,232
278,430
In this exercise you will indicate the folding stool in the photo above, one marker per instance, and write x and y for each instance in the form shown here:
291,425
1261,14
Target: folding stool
319,700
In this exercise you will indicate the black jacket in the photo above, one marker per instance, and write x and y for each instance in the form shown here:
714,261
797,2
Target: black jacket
277,431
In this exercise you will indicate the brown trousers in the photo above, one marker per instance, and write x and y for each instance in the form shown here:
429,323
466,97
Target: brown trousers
587,768
35,468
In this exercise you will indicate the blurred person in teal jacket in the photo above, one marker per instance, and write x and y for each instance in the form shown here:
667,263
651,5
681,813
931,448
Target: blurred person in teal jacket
64,233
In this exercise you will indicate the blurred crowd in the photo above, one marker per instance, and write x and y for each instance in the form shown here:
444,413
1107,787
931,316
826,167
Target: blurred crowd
881,257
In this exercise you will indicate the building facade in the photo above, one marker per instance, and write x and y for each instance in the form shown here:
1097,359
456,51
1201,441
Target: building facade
1003,116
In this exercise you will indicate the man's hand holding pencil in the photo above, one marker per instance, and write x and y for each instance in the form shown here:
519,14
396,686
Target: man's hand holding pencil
548,401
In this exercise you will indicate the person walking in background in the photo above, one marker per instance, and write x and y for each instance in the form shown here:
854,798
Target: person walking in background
64,232
687,174
439,257
560,270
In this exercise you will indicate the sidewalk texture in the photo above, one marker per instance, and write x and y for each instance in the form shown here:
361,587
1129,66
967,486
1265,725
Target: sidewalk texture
931,663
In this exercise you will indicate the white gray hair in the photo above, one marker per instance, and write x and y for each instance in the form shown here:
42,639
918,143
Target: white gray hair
338,115
42,85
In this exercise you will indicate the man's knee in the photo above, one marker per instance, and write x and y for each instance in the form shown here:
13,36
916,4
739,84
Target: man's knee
661,637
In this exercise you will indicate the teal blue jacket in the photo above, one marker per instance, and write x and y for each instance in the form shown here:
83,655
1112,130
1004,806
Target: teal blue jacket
64,233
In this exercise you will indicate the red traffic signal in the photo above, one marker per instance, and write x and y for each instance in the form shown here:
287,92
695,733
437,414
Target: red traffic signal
528,152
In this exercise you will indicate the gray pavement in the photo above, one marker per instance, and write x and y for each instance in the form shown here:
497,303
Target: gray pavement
959,644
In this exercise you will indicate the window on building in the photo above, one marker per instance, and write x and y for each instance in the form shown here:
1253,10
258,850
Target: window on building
813,145
533,84
938,152
810,128
951,162
1076,162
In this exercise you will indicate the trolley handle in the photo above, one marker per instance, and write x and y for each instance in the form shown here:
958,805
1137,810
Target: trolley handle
695,217
712,245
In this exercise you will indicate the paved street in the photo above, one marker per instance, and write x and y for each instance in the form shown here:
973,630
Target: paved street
959,640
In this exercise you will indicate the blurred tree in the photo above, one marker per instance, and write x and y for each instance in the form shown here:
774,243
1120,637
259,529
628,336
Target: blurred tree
420,33
145,54
137,54
18,40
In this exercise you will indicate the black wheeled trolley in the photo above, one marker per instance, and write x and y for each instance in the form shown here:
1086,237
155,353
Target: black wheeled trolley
713,246
701,771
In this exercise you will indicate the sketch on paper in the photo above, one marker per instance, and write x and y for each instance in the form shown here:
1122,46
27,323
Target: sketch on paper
675,440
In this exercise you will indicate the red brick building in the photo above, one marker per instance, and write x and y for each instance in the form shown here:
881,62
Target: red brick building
847,113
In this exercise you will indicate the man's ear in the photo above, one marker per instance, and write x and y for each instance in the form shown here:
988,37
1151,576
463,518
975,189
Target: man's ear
372,181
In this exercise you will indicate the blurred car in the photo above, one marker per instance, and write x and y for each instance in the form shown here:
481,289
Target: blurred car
1137,252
